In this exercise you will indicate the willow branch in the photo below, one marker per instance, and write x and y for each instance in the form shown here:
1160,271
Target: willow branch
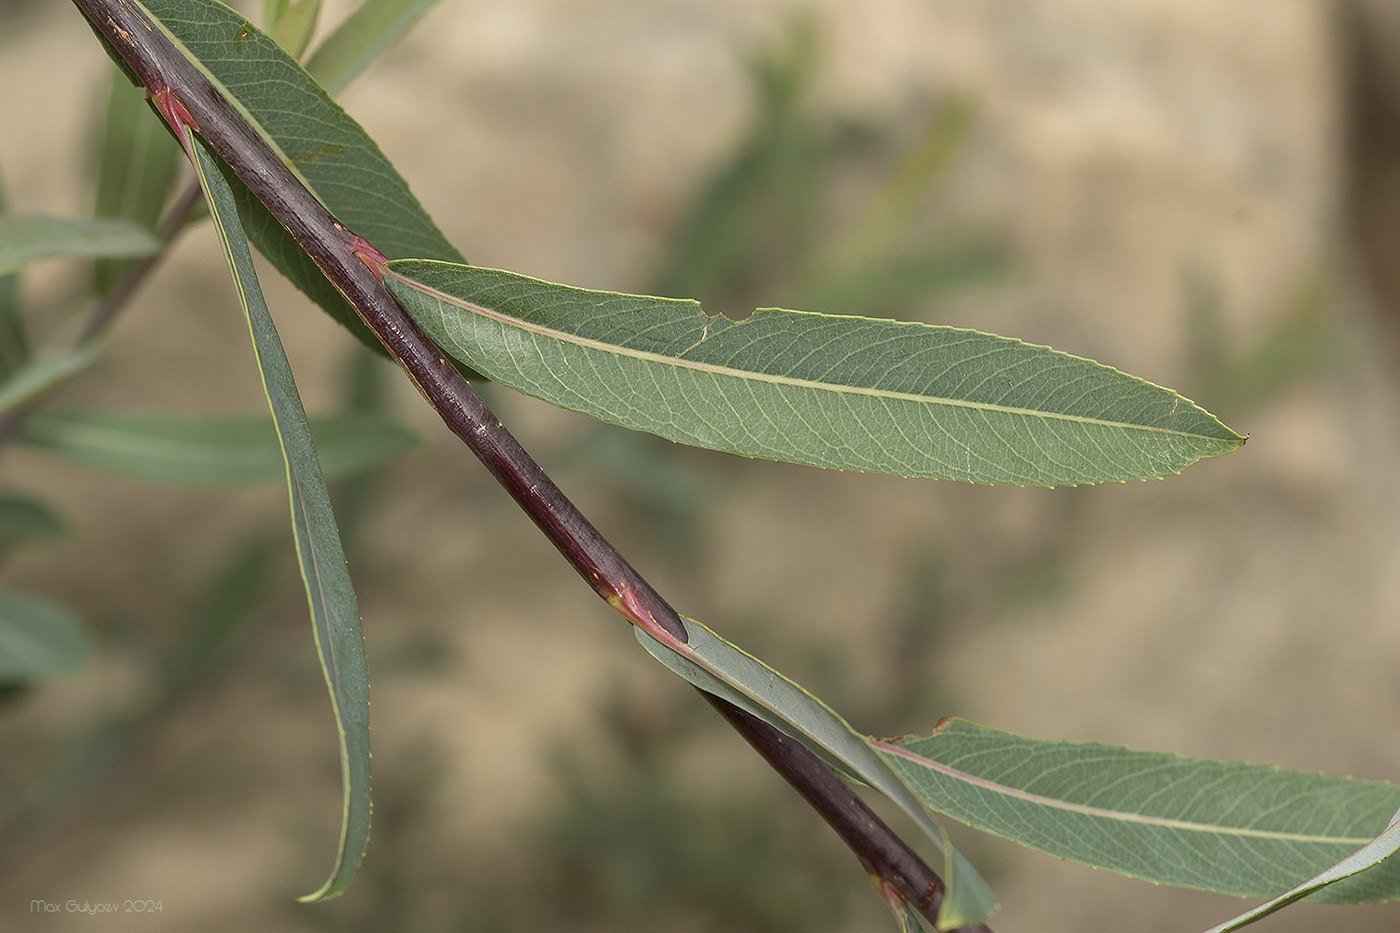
348,262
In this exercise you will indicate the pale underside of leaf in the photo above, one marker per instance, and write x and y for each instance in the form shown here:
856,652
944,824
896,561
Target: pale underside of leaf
1234,828
826,390
1374,853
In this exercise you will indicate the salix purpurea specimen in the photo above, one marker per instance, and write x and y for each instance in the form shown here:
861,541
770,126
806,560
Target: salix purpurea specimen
282,167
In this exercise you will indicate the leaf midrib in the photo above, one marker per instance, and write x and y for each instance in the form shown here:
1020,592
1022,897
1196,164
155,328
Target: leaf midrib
1102,813
771,378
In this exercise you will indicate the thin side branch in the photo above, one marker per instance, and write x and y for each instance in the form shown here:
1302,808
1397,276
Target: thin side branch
349,262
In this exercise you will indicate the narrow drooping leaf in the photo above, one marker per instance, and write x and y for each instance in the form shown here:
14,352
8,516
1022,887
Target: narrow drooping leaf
39,638
335,612
209,451
1366,858
14,339
42,374
716,666
27,521
833,391
374,27
136,167
1240,829
28,238
328,150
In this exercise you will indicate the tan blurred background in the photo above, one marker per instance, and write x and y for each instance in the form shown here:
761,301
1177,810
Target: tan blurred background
1194,192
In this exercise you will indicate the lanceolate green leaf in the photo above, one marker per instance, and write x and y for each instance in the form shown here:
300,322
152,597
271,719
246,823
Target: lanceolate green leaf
335,612
715,665
362,38
208,451
832,391
1366,858
27,238
1220,826
327,149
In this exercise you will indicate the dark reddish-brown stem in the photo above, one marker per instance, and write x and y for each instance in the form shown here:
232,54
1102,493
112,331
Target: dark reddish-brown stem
882,853
183,95
354,266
